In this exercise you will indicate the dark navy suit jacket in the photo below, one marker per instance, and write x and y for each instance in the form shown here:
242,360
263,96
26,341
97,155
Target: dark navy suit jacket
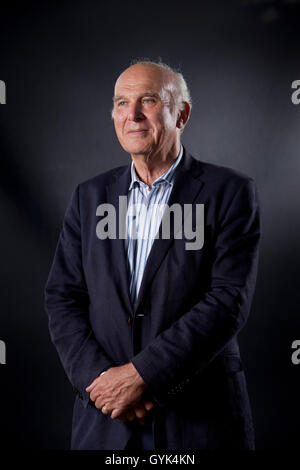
182,338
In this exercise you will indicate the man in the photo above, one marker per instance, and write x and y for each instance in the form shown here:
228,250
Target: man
146,329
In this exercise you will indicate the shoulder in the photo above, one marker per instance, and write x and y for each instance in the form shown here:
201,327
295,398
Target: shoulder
218,179
95,187
103,179
91,192
219,173
222,186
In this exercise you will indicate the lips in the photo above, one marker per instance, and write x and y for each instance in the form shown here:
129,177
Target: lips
137,131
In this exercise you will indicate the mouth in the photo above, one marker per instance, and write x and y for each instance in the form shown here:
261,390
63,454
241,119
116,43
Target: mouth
138,131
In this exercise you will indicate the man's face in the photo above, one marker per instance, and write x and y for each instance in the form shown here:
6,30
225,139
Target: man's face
144,115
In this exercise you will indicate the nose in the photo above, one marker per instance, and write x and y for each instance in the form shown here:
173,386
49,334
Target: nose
135,112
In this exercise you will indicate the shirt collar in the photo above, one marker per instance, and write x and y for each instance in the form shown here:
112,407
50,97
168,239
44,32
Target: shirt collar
165,177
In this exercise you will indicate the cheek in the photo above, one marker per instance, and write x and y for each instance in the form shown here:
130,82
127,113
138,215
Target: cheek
164,123
169,119
119,123
158,124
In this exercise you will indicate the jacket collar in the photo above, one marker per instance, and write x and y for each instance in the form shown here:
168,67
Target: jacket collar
187,185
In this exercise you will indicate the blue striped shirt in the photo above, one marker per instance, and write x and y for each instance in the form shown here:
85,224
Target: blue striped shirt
145,209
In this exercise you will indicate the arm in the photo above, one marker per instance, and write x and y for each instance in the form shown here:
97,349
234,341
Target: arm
200,334
67,305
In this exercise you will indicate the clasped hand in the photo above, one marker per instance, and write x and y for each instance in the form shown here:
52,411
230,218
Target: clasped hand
119,393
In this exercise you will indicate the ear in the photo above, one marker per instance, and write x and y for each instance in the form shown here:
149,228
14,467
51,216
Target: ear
183,115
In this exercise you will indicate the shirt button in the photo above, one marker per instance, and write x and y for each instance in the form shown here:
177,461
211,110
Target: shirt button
129,321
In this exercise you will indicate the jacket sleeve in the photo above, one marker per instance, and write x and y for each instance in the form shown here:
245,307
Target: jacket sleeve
67,306
199,335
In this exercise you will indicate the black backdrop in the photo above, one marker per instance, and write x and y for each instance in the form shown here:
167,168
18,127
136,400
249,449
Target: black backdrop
59,62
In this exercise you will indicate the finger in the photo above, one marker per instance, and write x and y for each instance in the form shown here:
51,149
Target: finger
92,385
148,404
130,415
94,390
95,393
140,411
105,410
116,413
127,414
123,416
99,402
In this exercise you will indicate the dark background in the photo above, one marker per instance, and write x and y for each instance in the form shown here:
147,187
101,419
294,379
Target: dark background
59,62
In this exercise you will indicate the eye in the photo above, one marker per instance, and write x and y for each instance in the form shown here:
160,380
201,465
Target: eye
148,100
121,103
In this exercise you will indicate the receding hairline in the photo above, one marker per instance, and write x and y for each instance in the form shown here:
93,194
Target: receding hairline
172,81
169,74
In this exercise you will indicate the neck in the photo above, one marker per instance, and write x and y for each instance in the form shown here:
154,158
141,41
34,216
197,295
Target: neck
151,166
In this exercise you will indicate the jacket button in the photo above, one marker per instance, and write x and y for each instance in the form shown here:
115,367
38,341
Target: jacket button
129,321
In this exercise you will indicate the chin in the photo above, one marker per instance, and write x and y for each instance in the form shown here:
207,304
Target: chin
136,149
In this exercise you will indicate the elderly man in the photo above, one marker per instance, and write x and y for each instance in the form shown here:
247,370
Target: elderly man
146,328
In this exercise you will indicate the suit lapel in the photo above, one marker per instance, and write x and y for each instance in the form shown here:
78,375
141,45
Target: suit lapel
117,247
185,190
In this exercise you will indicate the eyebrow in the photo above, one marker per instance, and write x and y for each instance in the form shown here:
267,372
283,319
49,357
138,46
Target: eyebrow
153,94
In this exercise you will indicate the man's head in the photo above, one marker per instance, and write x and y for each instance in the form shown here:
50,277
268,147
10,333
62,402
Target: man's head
151,107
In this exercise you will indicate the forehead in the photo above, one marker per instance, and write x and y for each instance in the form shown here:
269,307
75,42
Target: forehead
140,79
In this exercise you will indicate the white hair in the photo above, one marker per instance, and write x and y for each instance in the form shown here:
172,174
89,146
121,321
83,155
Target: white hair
180,94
